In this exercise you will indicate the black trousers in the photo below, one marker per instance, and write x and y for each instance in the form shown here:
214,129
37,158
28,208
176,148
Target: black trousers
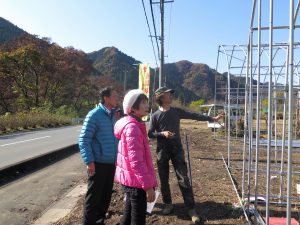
172,150
98,194
135,207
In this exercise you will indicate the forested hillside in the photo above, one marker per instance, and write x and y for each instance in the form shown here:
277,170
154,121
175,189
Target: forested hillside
36,73
8,31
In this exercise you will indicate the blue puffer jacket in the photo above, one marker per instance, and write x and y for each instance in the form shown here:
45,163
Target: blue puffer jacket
97,142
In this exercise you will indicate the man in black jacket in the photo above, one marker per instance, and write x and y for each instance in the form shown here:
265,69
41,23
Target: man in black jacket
165,126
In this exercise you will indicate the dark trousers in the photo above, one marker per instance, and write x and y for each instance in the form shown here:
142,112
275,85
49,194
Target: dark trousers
135,207
98,194
172,150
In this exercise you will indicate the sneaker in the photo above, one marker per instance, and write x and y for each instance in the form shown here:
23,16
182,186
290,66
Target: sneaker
167,209
194,216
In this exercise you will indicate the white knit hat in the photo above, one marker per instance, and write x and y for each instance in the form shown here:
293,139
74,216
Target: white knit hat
130,99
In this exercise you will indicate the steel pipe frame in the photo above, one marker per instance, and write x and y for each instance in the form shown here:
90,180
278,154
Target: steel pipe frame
290,112
291,46
279,87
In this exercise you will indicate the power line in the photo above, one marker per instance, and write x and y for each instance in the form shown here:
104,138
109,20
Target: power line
150,33
154,27
161,38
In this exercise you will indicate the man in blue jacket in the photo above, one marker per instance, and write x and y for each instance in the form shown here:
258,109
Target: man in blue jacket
98,148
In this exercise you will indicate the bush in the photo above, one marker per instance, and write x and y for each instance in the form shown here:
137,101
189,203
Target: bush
32,119
195,105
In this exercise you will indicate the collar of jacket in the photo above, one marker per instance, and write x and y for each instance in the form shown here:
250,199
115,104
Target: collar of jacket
136,117
107,112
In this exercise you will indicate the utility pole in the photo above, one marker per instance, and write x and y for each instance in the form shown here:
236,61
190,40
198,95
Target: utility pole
161,81
162,56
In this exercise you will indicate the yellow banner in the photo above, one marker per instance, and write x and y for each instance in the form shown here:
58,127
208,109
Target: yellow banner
144,78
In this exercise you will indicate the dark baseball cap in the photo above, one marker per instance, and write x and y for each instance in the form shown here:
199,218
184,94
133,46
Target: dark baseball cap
163,90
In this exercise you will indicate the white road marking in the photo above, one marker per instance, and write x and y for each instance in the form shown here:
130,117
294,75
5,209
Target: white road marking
25,141
16,134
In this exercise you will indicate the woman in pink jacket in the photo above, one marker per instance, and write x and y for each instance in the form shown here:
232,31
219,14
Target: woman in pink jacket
134,169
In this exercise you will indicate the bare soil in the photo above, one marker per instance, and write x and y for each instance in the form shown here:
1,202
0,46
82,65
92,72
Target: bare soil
277,207
213,190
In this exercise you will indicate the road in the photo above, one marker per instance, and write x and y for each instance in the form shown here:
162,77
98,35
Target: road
20,147
23,200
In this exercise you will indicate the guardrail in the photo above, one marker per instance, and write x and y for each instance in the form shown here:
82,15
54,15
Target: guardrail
77,120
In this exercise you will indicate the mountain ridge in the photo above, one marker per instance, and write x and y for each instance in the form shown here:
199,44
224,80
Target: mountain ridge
191,81
9,31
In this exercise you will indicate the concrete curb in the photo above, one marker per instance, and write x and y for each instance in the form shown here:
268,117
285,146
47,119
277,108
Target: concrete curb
63,207
13,171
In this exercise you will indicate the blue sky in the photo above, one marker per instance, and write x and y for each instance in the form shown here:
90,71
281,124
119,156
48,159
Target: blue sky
193,28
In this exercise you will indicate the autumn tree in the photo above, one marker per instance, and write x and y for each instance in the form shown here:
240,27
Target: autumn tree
39,73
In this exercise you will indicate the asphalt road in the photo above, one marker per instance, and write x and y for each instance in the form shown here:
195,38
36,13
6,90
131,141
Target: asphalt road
20,147
23,200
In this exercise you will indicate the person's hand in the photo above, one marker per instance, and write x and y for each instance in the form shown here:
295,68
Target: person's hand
218,117
91,169
117,116
150,195
167,134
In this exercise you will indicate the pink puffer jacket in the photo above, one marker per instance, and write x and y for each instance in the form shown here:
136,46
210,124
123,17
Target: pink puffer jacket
134,162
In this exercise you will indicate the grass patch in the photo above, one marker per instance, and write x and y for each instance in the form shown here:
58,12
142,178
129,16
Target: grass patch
31,120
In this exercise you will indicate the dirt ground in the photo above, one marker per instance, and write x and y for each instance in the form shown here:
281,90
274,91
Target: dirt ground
213,190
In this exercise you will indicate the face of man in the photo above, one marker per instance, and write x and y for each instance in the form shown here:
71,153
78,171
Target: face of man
113,100
167,98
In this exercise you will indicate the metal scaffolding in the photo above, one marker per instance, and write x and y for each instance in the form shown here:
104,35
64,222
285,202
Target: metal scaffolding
263,77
